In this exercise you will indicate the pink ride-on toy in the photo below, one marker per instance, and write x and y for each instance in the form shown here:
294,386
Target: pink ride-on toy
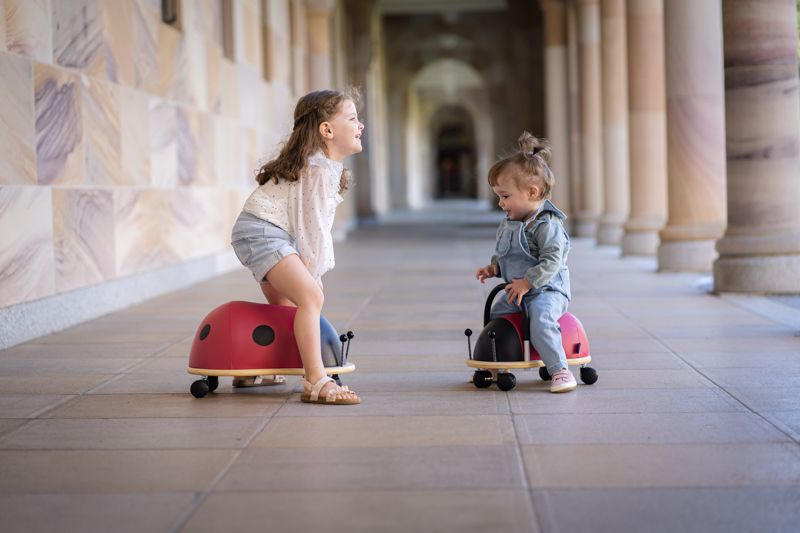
250,339
501,346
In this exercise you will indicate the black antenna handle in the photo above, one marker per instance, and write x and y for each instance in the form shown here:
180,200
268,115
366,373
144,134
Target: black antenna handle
468,333
492,336
487,309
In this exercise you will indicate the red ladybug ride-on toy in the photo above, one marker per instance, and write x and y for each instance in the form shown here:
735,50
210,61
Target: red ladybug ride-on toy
501,347
250,339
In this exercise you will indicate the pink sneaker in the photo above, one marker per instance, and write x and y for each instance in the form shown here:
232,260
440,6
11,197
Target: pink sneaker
563,381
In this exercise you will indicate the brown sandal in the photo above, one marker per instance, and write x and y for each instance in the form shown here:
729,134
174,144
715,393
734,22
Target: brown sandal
337,395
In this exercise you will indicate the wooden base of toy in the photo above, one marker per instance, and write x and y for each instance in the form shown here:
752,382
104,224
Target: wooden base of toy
330,370
521,365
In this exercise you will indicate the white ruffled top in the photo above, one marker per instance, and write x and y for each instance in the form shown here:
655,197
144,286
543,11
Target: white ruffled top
305,209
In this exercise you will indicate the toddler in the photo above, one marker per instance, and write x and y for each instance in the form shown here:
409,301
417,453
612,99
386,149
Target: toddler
531,252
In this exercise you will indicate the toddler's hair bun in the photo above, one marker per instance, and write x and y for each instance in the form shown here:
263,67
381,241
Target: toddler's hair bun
534,148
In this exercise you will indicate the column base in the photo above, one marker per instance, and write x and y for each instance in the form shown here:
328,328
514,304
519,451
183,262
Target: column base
610,233
772,274
640,243
686,256
585,228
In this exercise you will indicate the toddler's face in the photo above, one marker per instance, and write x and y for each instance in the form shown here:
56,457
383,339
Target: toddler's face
346,130
516,202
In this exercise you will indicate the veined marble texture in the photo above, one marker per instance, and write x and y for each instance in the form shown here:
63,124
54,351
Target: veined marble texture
78,28
250,102
198,225
134,109
146,22
186,129
59,126
2,28
83,237
196,77
229,87
102,126
142,225
250,35
120,44
250,157
26,257
172,63
228,152
203,17
163,143
201,134
213,77
28,29
17,118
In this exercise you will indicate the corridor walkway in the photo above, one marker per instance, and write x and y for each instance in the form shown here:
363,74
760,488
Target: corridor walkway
693,426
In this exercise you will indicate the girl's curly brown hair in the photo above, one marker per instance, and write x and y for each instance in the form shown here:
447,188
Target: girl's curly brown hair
305,140
527,166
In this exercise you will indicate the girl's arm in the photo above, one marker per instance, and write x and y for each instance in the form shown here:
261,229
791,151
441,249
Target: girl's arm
549,236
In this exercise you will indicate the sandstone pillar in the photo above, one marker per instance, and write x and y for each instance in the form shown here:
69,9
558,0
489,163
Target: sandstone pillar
591,118
575,176
616,178
556,96
695,135
319,14
760,251
647,127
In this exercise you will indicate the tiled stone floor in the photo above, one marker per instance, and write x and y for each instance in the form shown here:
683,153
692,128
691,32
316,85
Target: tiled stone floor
693,426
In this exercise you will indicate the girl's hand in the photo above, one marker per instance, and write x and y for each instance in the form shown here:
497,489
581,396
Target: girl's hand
489,271
517,289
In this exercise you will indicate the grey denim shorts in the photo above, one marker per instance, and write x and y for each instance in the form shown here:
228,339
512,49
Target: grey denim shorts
260,245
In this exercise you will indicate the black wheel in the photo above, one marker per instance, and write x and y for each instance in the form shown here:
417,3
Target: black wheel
482,379
213,383
588,375
199,388
506,381
544,374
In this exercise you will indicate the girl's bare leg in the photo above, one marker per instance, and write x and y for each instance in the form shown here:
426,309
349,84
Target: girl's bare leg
273,296
291,278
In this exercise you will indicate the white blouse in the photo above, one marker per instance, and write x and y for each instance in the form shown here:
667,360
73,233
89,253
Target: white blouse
304,209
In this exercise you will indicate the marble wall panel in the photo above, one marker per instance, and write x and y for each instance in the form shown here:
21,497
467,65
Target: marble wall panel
250,101
203,17
249,158
213,77
198,222
28,28
186,130
229,87
103,133
203,125
26,257
134,136
83,237
196,78
228,160
142,222
163,143
146,22
78,35
120,45
249,34
17,118
2,28
172,63
59,125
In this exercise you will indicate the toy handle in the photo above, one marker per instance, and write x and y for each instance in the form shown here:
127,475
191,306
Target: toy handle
487,311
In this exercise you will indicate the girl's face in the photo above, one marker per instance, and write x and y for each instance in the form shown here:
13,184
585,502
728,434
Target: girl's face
342,133
516,202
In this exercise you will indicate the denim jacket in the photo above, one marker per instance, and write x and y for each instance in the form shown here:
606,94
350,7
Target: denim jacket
541,256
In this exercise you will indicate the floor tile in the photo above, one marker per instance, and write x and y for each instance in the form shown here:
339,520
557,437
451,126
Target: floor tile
27,405
395,403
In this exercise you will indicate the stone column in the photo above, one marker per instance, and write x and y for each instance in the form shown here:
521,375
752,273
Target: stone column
647,127
556,96
319,14
616,178
299,52
760,251
695,135
591,118
574,106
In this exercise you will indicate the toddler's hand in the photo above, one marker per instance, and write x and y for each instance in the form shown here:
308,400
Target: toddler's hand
517,289
489,271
